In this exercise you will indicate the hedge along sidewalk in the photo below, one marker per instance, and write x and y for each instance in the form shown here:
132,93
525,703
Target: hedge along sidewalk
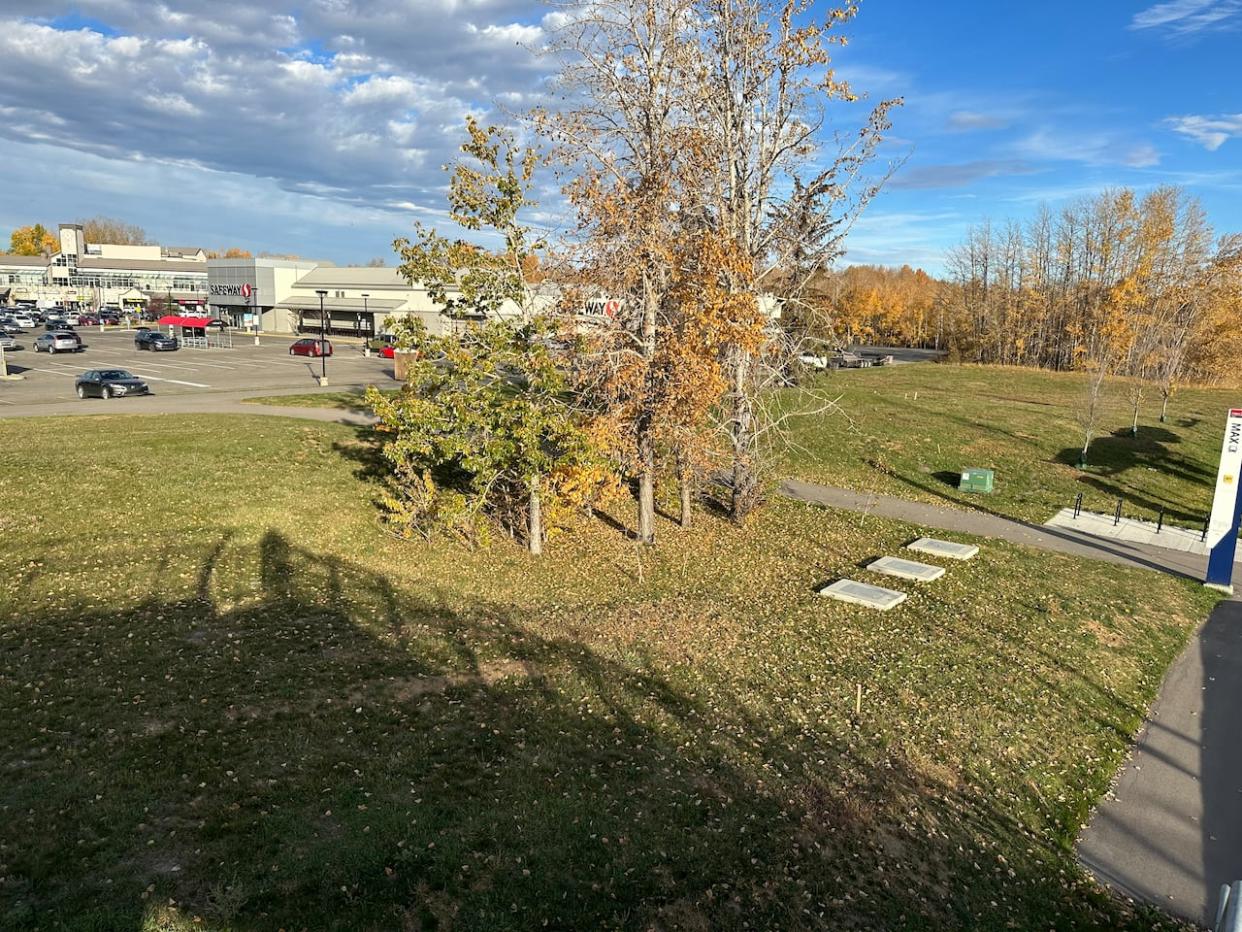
987,524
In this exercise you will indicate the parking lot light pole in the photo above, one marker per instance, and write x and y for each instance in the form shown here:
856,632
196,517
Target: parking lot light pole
366,312
323,329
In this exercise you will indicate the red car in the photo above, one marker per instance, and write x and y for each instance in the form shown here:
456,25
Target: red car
387,352
311,348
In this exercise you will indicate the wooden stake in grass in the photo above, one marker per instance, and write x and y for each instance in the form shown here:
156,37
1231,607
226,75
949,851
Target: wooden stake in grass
858,701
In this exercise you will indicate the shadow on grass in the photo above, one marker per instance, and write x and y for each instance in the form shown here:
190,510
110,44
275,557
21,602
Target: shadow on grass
338,752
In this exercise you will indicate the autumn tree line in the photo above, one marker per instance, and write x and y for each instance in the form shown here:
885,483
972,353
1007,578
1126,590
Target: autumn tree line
36,239
713,162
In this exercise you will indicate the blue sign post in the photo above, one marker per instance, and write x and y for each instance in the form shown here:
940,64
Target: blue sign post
1222,533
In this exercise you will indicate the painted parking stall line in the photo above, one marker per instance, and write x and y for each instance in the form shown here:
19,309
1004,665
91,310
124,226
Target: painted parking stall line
156,378
143,363
151,378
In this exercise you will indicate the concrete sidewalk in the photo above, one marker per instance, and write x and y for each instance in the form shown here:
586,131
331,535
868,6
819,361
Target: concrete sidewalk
1170,832
986,524
200,403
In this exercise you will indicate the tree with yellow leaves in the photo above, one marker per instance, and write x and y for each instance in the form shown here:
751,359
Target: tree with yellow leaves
33,240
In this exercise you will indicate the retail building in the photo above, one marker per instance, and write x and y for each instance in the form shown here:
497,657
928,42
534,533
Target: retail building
285,296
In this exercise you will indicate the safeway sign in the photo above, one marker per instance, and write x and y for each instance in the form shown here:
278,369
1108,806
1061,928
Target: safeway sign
603,308
1222,535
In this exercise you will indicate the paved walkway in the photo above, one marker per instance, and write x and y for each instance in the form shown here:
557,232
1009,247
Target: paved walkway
1171,830
1170,833
201,403
986,524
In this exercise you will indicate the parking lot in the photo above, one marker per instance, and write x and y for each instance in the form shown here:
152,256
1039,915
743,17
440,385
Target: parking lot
246,368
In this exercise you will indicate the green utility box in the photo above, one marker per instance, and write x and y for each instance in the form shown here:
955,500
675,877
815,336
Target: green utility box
975,480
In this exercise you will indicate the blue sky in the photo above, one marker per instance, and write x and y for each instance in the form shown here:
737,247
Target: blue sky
320,128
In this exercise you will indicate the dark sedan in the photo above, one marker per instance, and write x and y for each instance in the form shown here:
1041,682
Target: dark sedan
311,348
109,383
155,341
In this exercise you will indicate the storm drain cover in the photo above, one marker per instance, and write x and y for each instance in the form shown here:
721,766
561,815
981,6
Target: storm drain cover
944,548
906,569
849,590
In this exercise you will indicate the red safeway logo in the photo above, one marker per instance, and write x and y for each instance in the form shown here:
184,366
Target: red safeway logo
246,290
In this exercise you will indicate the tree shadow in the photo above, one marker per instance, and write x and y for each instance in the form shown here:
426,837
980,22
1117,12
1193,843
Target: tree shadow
336,751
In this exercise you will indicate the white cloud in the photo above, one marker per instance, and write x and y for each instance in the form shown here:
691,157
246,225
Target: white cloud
1186,17
1210,132
172,104
968,120
1088,148
387,90
357,101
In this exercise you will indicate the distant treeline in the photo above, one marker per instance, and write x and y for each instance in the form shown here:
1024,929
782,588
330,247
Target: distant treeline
1142,286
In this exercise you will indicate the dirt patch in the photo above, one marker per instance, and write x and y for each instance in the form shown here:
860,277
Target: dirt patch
407,688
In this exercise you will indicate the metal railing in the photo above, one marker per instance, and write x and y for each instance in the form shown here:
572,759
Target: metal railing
1160,516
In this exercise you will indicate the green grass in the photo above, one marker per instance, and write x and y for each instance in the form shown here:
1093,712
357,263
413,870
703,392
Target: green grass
347,400
910,431
228,700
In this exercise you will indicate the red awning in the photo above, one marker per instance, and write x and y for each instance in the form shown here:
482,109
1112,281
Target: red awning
173,320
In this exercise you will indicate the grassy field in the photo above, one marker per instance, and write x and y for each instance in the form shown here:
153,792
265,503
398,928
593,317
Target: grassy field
911,430
350,400
229,701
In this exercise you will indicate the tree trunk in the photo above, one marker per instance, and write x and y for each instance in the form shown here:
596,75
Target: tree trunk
685,491
743,497
535,531
646,441
646,487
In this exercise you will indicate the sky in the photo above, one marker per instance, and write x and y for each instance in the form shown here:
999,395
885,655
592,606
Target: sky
321,127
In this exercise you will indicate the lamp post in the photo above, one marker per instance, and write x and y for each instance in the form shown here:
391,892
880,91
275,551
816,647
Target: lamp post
323,359
254,310
366,312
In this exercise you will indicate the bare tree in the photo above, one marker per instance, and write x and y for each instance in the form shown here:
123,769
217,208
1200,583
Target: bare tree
788,185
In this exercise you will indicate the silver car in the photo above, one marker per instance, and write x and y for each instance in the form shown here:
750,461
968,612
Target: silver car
7,342
58,342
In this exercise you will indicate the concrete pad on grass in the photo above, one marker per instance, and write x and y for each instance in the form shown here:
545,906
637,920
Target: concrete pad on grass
943,548
857,593
906,569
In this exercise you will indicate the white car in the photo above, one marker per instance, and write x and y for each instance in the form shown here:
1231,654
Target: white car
815,362
23,320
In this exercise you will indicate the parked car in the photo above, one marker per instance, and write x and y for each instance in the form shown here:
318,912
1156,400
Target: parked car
53,324
23,320
9,325
311,348
109,383
8,343
58,342
87,320
878,359
813,361
155,341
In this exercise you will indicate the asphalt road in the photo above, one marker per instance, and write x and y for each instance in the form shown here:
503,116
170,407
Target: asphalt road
187,374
